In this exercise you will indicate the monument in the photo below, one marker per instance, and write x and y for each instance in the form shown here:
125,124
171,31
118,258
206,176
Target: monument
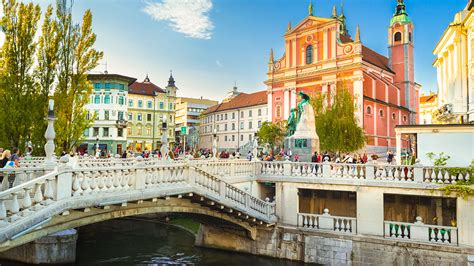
302,138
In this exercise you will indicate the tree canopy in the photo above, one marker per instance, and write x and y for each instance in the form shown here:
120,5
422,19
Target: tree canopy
336,123
271,133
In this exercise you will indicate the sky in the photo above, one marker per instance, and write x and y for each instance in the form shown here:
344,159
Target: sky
210,45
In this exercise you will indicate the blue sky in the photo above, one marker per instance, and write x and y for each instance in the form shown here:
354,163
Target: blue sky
210,44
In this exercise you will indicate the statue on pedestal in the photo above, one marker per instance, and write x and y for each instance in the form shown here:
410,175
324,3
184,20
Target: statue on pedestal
302,137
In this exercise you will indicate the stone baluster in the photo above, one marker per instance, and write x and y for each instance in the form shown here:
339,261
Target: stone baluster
26,199
3,213
15,205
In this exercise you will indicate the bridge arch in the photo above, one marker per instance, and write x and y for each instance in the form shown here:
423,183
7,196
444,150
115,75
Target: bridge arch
86,216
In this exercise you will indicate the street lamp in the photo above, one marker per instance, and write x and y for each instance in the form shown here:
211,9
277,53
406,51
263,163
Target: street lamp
214,144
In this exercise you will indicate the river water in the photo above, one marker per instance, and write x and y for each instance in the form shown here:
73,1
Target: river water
132,242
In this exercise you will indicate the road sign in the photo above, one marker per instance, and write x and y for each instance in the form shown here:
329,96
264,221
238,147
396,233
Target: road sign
184,131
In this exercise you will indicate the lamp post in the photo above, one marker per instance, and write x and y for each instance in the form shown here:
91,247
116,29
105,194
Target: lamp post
50,134
164,140
214,144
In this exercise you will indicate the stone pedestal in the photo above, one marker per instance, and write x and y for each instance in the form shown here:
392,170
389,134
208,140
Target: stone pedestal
304,147
58,248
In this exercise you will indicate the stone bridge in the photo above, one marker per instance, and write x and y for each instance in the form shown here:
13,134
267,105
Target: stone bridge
97,190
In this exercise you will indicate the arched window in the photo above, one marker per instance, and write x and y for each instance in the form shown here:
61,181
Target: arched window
278,111
393,116
369,110
405,118
397,37
409,36
381,113
309,54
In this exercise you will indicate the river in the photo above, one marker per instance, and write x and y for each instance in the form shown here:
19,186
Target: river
132,242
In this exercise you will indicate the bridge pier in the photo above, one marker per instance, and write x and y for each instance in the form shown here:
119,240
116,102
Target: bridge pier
57,248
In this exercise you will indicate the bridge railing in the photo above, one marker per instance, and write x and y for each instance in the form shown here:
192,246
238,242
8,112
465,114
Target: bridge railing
26,198
369,171
11,177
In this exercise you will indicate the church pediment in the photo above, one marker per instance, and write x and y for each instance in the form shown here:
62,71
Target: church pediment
308,22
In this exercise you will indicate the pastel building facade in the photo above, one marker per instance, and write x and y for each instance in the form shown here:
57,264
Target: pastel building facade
454,64
149,107
428,106
234,121
108,106
188,112
320,53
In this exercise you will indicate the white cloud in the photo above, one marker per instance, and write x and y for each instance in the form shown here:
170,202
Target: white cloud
190,17
219,64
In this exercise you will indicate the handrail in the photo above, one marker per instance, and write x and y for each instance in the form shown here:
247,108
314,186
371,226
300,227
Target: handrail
5,193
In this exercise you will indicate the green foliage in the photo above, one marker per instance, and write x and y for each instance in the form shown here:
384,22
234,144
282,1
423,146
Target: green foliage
29,71
18,95
438,160
76,57
337,126
271,133
462,189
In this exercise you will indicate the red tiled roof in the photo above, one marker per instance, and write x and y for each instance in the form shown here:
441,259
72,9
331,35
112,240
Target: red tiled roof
144,88
428,98
370,56
240,101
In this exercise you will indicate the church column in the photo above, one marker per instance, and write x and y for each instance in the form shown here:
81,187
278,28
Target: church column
315,52
269,107
286,103
287,54
359,99
293,97
293,49
333,43
325,44
325,92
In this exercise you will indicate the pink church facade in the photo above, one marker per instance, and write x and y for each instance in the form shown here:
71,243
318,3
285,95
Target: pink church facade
319,53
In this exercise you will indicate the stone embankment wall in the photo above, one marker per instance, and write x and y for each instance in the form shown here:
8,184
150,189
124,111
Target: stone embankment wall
331,249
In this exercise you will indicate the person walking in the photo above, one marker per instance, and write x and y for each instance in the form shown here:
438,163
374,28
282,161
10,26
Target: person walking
5,158
15,158
390,157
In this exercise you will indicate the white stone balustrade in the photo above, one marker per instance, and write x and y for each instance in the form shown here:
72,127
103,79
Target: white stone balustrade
420,232
327,222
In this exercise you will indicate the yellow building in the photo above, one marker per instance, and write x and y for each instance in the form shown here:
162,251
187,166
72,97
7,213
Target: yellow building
188,112
454,63
428,106
149,108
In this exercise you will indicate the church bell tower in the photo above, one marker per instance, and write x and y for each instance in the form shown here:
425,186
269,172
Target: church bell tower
401,58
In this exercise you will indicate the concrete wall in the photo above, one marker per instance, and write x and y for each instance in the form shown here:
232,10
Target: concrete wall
460,146
332,249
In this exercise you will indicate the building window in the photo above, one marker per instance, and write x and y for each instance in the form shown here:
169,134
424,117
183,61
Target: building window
97,86
148,117
217,118
233,126
241,125
405,118
107,86
130,116
278,111
120,132
241,137
369,110
250,137
242,114
139,117
250,125
259,124
120,115
107,99
140,103
225,127
95,131
97,99
309,54
259,112
233,115
394,116
121,87
106,115
139,131
130,102
397,37
149,104
250,113
225,138
225,116
162,105
105,132
233,138
409,36
148,131
381,113
121,100
171,106
129,130
86,132
222,117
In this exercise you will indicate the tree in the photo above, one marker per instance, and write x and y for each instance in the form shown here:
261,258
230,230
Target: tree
76,57
45,74
336,125
271,133
18,95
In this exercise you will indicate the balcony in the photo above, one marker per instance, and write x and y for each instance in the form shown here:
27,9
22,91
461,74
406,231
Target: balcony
121,123
327,222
